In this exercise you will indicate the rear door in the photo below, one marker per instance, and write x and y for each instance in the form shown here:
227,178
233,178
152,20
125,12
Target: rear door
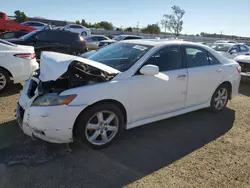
204,74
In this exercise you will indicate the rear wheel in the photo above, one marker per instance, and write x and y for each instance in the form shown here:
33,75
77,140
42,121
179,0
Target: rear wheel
220,98
100,125
5,81
84,33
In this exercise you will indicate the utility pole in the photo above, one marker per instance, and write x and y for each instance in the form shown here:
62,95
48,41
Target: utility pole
137,27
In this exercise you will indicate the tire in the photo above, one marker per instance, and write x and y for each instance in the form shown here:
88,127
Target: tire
220,98
5,81
84,33
91,128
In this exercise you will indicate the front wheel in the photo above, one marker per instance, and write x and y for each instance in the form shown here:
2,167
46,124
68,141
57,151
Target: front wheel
100,125
220,98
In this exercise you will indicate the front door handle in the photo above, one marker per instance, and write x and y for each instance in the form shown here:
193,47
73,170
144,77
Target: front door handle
182,76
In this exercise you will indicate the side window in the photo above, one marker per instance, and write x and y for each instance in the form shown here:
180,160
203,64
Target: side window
42,35
75,27
95,39
243,48
37,24
130,38
196,57
8,36
168,58
235,48
212,59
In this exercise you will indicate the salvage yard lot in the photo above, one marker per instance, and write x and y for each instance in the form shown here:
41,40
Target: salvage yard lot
199,149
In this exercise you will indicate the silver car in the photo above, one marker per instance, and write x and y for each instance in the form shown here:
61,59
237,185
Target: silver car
231,50
92,42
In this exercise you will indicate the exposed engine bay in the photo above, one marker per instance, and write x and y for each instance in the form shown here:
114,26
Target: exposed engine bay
78,74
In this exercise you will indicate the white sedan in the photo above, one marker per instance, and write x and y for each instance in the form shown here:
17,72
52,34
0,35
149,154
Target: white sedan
17,63
122,86
77,29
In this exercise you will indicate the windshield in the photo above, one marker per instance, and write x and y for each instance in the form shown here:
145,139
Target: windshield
221,47
118,38
27,36
120,56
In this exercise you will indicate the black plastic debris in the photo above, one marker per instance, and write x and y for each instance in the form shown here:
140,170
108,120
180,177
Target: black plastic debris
32,152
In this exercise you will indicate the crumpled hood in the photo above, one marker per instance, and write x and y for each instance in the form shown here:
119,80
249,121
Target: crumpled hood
243,58
53,65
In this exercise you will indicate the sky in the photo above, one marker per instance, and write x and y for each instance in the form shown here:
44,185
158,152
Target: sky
212,16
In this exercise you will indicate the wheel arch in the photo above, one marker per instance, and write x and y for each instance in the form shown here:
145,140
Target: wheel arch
9,73
105,101
229,86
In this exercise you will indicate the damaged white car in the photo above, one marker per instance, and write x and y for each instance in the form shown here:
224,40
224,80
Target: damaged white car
244,61
122,86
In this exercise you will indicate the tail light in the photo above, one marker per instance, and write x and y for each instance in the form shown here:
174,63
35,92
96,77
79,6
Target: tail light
83,41
26,55
239,69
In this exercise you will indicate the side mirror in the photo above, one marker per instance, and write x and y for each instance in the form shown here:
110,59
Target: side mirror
233,51
149,70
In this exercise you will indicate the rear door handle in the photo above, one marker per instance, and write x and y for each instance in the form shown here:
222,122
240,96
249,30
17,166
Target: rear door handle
182,76
219,70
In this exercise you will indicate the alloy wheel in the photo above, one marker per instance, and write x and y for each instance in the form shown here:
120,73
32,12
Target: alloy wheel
221,98
102,128
3,81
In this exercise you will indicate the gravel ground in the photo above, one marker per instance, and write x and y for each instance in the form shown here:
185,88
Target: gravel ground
199,149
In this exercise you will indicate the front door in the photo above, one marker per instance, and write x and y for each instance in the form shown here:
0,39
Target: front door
162,93
204,75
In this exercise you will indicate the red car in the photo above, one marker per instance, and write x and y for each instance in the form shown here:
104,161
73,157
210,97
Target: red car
9,25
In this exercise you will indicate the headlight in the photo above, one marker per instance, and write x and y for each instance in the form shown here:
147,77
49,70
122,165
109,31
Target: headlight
53,99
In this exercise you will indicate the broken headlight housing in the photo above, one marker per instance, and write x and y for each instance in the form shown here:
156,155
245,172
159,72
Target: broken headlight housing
53,99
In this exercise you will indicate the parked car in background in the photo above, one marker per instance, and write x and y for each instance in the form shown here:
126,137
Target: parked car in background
17,63
122,86
13,34
81,30
225,41
231,50
92,41
118,38
35,24
244,61
53,40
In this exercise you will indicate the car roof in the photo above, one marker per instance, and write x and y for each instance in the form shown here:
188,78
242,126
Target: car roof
130,36
35,22
156,42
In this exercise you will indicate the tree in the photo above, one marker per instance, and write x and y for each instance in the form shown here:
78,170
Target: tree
20,16
84,23
118,29
106,25
78,22
152,29
173,22
129,29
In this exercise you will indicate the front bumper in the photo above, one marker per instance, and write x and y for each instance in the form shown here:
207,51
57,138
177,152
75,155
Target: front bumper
50,123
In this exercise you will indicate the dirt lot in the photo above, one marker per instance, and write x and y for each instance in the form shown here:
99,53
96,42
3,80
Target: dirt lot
199,149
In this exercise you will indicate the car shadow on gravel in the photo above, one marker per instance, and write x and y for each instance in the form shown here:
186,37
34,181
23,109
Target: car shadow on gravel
245,88
136,154
14,89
